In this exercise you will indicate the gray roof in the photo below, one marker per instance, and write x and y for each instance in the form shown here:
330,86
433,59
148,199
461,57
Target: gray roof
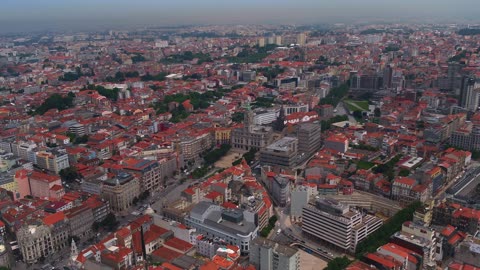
200,208
279,249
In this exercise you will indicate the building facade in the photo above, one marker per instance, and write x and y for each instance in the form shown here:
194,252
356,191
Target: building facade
269,255
337,224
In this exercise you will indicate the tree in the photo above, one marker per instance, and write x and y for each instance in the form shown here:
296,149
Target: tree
238,117
69,174
357,114
338,263
56,101
110,222
377,112
404,172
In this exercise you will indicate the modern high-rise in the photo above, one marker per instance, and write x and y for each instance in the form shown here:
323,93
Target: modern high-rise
269,255
469,95
333,222
308,135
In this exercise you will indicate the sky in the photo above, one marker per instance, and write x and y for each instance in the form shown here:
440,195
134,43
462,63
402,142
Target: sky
37,15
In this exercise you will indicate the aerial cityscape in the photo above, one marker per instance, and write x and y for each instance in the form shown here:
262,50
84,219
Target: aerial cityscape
269,135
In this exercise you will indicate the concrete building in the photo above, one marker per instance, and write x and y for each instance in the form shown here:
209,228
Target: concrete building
419,239
309,138
251,136
149,170
52,160
469,95
121,190
280,190
191,147
236,227
269,255
77,129
337,224
80,219
282,153
300,196
301,39
265,117
248,75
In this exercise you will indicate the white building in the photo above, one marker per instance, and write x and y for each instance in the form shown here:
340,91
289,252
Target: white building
236,227
266,117
330,221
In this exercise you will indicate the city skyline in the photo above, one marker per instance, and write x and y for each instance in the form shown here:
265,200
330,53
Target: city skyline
26,16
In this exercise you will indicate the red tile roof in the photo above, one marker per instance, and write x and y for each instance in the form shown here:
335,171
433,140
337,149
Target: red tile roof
166,253
178,244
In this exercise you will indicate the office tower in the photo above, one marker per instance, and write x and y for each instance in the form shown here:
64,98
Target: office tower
387,77
468,94
331,221
453,77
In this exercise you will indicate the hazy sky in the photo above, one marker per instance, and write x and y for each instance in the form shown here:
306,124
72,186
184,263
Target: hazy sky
26,15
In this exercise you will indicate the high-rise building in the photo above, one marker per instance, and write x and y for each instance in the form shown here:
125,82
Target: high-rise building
387,77
301,39
308,135
469,96
269,255
336,223
261,42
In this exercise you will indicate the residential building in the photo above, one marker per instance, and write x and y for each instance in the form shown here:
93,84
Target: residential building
80,219
337,224
53,160
337,142
269,255
45,185
150,176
